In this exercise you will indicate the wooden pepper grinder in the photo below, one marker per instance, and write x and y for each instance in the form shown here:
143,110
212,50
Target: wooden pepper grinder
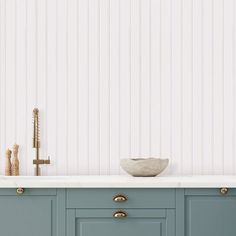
15,161
8,163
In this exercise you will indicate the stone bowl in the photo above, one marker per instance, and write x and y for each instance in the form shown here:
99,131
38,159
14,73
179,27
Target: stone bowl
144,167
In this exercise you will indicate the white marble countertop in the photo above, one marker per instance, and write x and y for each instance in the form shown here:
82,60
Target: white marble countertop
118,182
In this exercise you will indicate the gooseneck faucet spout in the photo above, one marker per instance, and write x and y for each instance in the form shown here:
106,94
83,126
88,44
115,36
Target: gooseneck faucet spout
36,143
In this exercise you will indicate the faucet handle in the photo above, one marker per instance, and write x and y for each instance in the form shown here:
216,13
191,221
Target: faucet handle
48,161
41,161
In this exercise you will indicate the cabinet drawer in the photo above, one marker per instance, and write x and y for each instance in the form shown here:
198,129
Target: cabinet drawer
136,198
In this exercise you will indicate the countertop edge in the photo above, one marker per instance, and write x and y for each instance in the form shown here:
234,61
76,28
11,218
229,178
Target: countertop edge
118,182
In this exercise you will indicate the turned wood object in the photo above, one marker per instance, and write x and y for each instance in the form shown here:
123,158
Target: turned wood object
15,161
8,163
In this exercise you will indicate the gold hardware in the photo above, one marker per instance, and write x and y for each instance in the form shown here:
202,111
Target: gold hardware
40,162
120,214
36,142
20,191
224,191
120,198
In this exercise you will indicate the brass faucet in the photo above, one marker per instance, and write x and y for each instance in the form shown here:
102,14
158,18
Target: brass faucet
36,143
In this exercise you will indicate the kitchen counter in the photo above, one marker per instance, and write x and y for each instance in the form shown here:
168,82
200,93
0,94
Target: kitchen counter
118,205
216,181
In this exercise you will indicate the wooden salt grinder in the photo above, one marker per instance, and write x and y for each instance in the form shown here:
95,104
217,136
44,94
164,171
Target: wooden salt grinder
15,161
8,163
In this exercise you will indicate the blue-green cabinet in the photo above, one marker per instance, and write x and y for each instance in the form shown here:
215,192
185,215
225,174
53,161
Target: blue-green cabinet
139,222
149,212
116,211
209,213
32,213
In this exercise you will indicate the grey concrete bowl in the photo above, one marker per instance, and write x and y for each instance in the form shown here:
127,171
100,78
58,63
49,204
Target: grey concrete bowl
144,167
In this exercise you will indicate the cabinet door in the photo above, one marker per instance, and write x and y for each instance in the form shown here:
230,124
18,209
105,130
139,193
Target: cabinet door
98,222
27,214
210,216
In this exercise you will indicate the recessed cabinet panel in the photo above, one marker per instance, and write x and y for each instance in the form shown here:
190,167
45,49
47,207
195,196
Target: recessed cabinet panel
27,216
210,216
137,223
130,227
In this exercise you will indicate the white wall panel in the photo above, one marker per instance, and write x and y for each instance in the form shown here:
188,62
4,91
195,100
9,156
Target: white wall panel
83,86
218,86
104,92
62,86
72,86
3,81
187,87
119,78
21,82
41,61
135,84
207,87
228,86
166,77
31,77
197,86
145,77
114,86
94,88
125,78
51,89
176,88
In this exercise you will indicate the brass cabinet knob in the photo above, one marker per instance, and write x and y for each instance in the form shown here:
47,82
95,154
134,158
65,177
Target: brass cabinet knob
120,214
20,191
120,198
224,191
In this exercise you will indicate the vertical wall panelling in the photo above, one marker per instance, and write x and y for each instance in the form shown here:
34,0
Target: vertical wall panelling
94,90
125,118
21,87
31,55
228,86
10,71
135,78
197,86
114,86
187,86
176,86
62,89
105,87
218,86
166,80
72,86
2,81
155,79
119,78
41,54
207,86
145,77
51,92
234,84
83,83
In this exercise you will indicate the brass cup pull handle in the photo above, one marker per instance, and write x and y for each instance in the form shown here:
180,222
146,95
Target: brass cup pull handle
120,198
224,191
20,191
120,214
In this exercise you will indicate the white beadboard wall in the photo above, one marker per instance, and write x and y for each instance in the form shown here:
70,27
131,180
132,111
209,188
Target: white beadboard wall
119,78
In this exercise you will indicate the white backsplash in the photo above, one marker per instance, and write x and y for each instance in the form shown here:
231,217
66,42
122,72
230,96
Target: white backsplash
119,78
